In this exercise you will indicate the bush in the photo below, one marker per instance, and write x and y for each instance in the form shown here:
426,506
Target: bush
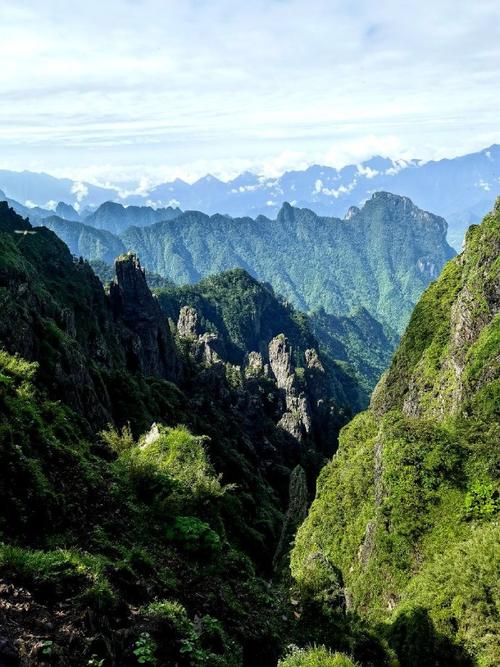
60,573
193,535
315,657
481,501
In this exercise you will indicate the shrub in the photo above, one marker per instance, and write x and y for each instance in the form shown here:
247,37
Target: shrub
193,535
144,649
315,657
60,573
481,501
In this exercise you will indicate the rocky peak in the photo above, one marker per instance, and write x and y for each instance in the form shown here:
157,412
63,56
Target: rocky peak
280,359
286,213
66,212
151,350
352,212
296,418
188,324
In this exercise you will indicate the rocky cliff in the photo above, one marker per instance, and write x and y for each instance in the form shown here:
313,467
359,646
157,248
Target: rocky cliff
151,351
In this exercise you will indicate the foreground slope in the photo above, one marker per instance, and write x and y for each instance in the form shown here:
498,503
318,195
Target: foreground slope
405,523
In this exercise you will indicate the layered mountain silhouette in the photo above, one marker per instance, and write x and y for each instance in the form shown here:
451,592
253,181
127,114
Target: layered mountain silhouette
380,257
461,189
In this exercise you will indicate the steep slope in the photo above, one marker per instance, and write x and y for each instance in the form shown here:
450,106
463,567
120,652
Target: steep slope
84,240
404,529
381,258
237,320
139,517
461,189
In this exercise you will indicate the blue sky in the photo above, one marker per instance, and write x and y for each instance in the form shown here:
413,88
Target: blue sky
129,89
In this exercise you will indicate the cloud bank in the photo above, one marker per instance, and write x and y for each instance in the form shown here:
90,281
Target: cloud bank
132,89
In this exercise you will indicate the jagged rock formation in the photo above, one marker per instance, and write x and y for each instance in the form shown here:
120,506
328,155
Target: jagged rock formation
407,510
56,313
151,351
296,418
237,326
171,536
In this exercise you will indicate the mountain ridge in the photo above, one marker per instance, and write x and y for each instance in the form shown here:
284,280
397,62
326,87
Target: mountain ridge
461,189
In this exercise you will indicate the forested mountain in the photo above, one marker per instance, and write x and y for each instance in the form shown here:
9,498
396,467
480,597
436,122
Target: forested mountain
241,314
144,477
404,531
158,452
380,257
461,189
376,261
117,218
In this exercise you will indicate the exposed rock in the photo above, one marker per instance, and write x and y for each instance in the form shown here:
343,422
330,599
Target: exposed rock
188,324
210,349
255,366
297,416
152,350
352,212
296,512
151,436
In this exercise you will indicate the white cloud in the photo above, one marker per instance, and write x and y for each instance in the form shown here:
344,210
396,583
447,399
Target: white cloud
367,171
156,98
342,190
80,190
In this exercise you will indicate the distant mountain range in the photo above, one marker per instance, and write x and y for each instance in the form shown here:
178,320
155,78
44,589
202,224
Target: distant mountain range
380,257
461,190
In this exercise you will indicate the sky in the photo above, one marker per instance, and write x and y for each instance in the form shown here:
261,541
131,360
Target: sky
148,90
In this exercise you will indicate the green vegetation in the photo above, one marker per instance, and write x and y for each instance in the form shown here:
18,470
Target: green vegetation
382,259
404,525
316,657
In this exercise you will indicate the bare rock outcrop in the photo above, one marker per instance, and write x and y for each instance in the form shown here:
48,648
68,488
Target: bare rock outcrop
296,418
151,348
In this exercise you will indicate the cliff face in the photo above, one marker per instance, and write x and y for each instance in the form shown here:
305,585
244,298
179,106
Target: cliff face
55,312
431,374
296,418
152,350
406,513
381,257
